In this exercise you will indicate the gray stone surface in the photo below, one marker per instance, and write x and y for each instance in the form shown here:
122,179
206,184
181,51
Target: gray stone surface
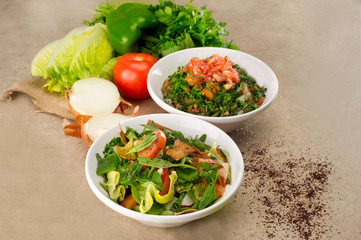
314,49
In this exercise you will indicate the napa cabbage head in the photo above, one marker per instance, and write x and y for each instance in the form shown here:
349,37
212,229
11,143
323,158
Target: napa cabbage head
82,53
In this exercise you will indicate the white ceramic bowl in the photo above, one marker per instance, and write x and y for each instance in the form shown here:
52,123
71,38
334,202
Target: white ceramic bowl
166,66
189,127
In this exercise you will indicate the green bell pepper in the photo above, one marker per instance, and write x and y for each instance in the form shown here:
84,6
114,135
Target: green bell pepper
125,25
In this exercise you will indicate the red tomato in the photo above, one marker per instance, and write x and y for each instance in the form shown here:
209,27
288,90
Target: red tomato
165,181
158,145
260,101
223,174
130,74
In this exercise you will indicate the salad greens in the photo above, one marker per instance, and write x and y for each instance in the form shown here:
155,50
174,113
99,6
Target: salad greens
189,93
162,184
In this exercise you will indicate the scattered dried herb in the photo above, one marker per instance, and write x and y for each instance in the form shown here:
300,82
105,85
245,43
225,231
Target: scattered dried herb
290,191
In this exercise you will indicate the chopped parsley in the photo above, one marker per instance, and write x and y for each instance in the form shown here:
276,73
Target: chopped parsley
190,98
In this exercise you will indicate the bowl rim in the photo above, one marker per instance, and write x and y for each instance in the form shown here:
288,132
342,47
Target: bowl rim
227,119
164,218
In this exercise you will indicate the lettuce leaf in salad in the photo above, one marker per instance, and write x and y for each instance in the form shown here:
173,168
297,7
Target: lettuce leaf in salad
209,195
150,175
116,193
186,175
183,187
198,190
161,163
147,191
106,164
128,173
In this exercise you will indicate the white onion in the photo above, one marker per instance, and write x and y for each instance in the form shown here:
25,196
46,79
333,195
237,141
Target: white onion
93,97
95,126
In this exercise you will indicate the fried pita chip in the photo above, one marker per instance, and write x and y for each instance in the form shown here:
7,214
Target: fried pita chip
123,151
221,155
179,150
198,154
186,211
157,125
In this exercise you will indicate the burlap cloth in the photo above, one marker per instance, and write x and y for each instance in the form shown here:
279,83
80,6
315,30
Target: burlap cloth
57,104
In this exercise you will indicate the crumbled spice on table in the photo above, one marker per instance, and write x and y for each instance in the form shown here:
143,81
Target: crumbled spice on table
289,190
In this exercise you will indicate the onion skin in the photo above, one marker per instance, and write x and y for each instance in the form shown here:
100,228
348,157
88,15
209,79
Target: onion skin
88,142
72,130
74,112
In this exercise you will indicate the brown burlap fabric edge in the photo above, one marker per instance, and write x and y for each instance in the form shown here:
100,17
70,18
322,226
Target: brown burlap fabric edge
57,104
